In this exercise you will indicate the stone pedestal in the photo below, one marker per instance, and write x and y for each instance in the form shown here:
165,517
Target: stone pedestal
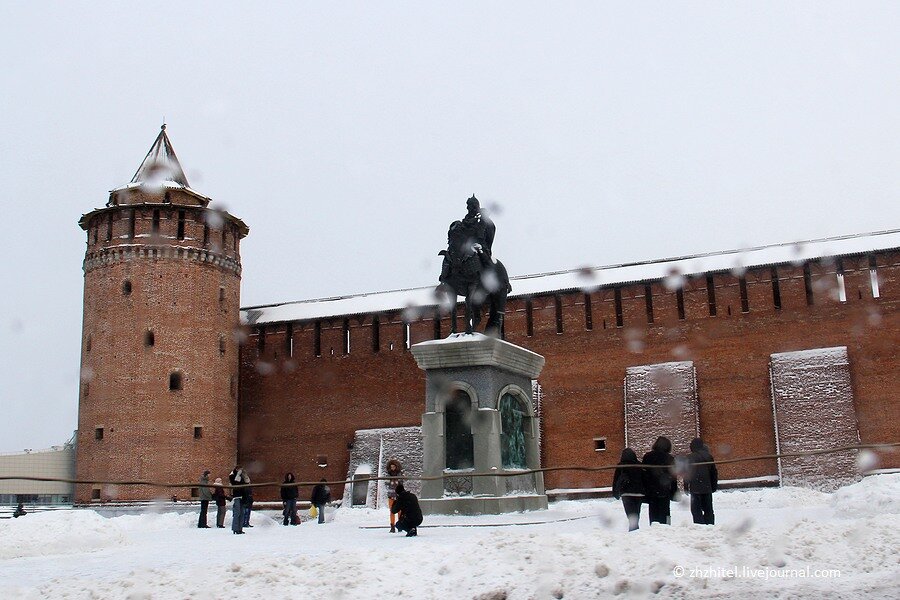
479,418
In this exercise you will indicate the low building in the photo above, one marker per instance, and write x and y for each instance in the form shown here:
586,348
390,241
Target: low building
57,462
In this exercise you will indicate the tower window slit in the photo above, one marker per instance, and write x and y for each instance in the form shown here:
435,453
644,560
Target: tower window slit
711,295
108,227
776,288
261,339
289,339
317,339
131,223
588,313
180,224
175,381
529,318
154,227
376,334
745,302
648,301
679,298
557,304
807,284
617,299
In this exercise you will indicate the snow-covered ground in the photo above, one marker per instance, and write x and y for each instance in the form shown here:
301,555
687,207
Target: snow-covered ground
576,549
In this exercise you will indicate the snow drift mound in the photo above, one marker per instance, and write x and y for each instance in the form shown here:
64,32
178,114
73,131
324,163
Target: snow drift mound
58,532
766,498
874,495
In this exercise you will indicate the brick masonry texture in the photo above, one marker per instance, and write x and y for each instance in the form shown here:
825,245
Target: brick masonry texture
156,303
296,406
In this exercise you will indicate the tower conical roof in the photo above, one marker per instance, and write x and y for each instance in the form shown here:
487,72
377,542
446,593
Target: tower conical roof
161,167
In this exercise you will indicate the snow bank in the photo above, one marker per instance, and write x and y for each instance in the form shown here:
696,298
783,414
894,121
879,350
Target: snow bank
874,495
574,550
58,532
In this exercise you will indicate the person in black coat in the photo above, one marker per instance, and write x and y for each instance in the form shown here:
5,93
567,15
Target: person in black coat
321,495
410,514
240,496
660,484
700,482
289,499
628,484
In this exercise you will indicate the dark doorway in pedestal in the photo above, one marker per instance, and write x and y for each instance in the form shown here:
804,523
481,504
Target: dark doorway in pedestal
458,432
360,489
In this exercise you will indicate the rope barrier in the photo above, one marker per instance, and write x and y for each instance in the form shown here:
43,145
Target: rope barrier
193,484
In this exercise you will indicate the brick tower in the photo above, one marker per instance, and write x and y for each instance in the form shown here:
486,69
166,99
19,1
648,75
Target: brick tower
159,349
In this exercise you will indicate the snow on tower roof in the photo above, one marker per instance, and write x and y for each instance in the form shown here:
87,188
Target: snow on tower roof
587,278
161,166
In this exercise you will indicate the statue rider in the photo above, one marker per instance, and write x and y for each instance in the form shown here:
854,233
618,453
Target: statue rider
482,228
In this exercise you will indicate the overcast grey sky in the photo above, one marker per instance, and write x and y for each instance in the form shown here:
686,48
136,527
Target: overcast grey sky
349,137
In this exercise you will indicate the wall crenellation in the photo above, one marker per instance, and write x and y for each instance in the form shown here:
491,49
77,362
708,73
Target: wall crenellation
558,313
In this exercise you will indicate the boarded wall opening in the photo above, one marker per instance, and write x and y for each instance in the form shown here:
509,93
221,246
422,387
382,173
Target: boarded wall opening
661,399
812,399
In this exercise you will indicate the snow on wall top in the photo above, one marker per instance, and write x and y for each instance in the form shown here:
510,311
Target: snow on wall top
809,359
585,279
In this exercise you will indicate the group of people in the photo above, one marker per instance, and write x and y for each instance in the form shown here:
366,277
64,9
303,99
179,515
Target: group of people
401,502
241,495
654,481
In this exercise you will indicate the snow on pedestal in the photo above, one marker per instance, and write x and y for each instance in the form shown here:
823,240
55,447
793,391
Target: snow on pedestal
812,399
661,399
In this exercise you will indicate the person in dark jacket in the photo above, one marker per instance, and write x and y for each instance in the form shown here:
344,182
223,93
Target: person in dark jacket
660,484
628,484
289,499
205,496
19,512
410,514
218,496
700,482
321,495
238,494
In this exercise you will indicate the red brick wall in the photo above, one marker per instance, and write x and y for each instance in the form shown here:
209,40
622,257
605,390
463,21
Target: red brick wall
308,406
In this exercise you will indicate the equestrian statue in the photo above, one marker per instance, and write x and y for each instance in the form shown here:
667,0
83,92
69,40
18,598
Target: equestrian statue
470,270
